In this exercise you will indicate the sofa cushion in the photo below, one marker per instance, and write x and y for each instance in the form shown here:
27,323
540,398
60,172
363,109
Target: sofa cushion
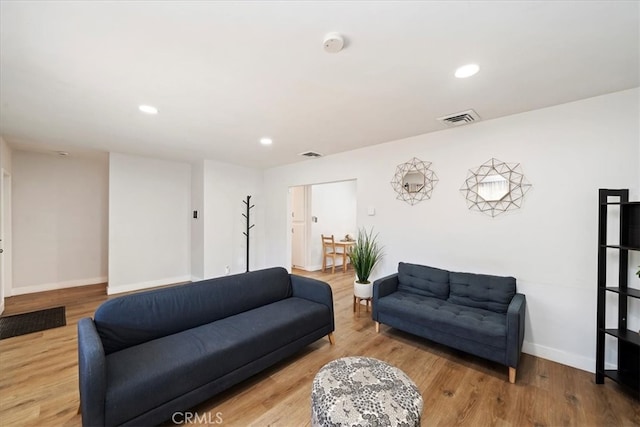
460,322
145,376
423,280
482,291
134,319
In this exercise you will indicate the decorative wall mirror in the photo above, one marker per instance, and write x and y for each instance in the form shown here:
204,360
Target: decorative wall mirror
495,187
414,181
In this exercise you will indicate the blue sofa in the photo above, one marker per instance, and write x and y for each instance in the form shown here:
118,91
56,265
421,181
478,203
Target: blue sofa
145,356
476,313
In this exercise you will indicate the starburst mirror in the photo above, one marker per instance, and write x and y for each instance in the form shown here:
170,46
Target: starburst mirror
414,181
495,187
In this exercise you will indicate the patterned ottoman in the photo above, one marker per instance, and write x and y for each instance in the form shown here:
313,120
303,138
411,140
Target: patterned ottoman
361,391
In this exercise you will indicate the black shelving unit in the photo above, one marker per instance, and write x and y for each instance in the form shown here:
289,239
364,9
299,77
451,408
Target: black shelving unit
627,372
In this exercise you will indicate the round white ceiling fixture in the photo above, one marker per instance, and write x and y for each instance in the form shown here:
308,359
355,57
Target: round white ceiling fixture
467,71
266,141
333,43
148,109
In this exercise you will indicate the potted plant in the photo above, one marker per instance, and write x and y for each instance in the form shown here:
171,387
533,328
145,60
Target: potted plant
364,256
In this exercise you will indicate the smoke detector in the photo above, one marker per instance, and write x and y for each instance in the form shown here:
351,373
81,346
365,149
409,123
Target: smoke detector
333,43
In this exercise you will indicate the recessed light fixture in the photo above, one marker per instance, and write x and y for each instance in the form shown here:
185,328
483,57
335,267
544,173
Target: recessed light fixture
148,109
467,71
62,153
266,141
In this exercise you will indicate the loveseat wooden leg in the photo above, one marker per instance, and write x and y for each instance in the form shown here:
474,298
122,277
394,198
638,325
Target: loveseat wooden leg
332,341
378,327
512,375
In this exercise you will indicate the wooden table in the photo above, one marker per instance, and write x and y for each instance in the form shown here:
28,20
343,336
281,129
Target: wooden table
346,248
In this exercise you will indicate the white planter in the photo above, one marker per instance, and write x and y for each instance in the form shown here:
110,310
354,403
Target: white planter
362,290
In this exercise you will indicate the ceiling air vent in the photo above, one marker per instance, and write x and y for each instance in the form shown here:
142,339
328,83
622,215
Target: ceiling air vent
459,119
311,154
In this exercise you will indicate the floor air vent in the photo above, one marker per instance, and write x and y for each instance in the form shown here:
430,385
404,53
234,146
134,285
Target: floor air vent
311,154
459,119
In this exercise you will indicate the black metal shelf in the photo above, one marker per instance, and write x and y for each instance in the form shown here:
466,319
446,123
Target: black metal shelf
626,248
622,203
627,342
629,381
625,335
630,292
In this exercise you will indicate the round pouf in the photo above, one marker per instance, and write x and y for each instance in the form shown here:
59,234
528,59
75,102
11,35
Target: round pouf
362,391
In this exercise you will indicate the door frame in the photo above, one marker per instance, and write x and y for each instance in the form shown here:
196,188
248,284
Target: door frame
5,235
307,226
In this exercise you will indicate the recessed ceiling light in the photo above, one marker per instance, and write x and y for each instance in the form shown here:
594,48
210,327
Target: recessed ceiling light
62,153
148,109
266,141
467,71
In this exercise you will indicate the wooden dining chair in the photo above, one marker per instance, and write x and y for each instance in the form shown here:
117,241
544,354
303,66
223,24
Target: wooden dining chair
329,252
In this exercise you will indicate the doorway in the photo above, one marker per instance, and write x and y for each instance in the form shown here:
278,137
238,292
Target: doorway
316,209
299,226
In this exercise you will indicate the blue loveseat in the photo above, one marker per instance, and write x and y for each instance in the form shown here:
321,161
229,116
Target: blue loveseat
147,355
476,313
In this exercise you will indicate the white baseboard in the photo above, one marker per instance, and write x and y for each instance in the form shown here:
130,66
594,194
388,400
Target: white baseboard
311,268
319,267
570,359
196,279
111,290
59,285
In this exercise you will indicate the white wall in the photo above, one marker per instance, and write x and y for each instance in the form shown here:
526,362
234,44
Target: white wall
59,221
334,204
5,224
567,152
149,222
5,155
197,224
225,188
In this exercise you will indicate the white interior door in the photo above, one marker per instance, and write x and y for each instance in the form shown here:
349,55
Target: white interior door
298,227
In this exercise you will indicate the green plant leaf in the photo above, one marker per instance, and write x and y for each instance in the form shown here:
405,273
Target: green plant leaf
365,254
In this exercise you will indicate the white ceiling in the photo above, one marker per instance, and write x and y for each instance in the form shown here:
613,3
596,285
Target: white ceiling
225,74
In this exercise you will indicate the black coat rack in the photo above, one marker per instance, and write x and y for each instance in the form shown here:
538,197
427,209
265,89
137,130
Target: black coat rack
249,227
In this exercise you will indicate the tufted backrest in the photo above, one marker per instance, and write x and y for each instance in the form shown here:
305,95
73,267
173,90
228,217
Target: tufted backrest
134,319
482,291
423,280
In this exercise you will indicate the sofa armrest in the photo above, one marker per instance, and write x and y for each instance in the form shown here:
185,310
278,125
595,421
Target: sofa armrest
381,288
313,290
515,329
92,370
385,286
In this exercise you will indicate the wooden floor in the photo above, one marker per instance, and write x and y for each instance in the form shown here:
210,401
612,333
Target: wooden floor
39,376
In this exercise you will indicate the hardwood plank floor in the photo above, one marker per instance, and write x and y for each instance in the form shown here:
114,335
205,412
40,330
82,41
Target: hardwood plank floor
39,376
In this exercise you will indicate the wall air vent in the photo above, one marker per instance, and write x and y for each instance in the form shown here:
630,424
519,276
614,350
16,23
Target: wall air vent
311,154
459,119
